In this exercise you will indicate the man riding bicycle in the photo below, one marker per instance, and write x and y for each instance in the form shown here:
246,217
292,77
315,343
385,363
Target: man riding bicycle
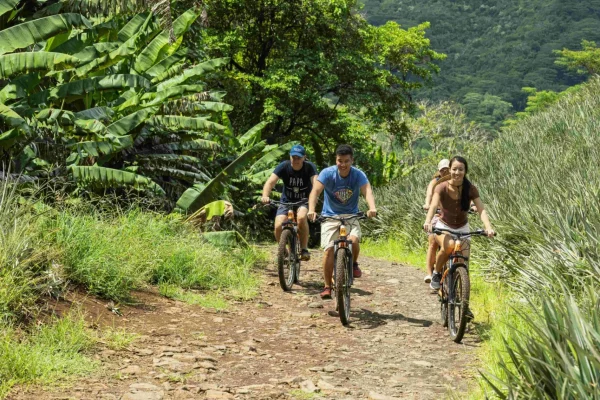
342,184
298,177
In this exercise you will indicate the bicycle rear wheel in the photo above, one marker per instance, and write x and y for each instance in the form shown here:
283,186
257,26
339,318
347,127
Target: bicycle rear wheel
342,286
457,309
285,259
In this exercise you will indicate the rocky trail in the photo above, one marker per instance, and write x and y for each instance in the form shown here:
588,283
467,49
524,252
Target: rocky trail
283,345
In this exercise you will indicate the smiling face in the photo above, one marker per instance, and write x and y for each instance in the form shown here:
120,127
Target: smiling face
457,172
344,162
297,162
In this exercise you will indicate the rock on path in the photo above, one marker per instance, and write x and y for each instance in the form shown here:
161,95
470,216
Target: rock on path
282,344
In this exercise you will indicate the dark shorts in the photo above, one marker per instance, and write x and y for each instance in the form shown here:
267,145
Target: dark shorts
283,210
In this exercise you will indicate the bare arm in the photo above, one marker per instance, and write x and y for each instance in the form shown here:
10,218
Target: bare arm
367,192
268,188
312,199
429,195
484,216
435,201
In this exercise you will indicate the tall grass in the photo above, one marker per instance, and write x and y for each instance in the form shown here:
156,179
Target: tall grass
24,259
111,255
541,182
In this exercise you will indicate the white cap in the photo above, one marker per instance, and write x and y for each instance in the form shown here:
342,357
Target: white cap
445,163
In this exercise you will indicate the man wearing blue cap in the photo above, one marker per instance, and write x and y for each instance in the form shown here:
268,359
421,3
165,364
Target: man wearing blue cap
298,177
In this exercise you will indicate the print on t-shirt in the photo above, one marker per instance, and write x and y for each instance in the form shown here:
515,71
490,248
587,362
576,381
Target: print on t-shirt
341,194
296,184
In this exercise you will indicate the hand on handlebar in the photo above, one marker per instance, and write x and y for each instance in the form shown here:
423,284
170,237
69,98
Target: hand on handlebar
372,213
426,207
265,200
311,215
490,233
428,227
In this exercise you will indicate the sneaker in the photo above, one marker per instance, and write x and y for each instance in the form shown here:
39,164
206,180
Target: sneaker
305,255
356,272
326,293
427,278
435,281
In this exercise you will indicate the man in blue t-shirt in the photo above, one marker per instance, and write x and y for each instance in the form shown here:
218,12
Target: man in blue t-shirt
343,184
298,177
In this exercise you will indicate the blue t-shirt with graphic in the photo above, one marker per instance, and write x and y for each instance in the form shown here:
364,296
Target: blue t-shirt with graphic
341,194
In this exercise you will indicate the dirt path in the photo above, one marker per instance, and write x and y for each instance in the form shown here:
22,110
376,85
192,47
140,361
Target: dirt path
286,346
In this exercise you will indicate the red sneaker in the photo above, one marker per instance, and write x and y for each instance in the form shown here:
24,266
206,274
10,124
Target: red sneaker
326,293
356,272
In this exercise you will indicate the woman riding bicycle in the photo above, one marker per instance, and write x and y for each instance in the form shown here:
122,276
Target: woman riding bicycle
440,176
454,198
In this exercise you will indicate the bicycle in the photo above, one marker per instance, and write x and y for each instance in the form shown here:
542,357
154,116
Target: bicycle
289,249
342,265
455,285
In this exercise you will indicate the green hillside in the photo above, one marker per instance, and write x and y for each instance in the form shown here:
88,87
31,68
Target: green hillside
496,47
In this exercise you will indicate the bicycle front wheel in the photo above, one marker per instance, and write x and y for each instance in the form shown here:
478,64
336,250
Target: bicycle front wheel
458,306
286,259
342,286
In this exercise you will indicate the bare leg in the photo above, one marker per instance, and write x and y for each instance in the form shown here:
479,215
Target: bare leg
355,247
303,226
447,244
431,254
279,220
328,266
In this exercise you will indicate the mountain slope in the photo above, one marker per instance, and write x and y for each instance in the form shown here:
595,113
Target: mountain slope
498,47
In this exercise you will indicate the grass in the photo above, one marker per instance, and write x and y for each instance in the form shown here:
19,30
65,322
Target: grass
212,300
112,255
49,353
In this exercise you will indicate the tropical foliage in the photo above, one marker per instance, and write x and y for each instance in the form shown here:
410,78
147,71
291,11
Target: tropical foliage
113,101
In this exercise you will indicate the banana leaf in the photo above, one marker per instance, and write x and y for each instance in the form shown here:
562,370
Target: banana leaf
272,157
159,71
253,135
197,196
175,122
7,5
96,148
23,63
194,72
194,145
28,33
110,178
131,121
77,89
225,239
150,55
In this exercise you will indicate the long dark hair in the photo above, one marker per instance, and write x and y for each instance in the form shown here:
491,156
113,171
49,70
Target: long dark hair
465,201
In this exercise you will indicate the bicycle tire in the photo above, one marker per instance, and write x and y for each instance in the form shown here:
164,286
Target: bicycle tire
298,262
286,245
444,300
342,287
462,291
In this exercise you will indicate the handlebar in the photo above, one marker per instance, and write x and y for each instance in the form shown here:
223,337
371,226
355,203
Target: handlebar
359,216
478,232
281,203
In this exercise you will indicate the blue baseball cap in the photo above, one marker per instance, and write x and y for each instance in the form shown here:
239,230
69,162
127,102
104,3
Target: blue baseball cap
298,150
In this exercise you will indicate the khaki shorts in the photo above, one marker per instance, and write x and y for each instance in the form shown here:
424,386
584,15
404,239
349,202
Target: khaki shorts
330,231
